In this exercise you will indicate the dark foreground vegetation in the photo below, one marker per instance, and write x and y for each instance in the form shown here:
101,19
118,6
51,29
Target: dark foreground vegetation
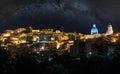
60,64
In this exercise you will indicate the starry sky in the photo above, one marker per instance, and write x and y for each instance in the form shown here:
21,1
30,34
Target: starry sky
66,15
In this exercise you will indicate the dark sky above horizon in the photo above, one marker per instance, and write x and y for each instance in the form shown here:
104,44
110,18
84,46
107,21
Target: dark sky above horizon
66,15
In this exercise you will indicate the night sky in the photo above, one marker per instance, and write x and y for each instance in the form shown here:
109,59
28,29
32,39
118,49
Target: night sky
66,15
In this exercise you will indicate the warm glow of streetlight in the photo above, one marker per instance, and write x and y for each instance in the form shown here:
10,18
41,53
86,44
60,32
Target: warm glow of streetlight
114,40
58,45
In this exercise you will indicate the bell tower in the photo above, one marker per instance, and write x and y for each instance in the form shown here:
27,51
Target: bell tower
109,30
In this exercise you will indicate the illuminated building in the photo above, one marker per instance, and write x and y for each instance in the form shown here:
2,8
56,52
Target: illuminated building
109,30
85,37
13,40
48,39
6,35
46,31
94,30
57,31
35,31
20,30
35,38
9,31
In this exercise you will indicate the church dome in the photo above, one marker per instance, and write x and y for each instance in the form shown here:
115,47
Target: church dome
94,30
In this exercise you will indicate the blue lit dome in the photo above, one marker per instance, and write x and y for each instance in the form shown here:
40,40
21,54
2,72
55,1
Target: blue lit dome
94,30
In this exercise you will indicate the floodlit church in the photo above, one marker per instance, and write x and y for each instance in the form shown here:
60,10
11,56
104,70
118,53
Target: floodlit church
109,30
94,29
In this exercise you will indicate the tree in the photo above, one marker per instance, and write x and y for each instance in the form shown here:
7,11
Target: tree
57,69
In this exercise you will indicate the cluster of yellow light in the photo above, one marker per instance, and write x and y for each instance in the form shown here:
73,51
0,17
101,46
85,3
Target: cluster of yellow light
58,45
35,31
64,38
23,41
46,31
3,39
71,42
2,45
22,35
58,31
117,34
6,34
35,38
85,37
58,38
16,42
114,40
19,30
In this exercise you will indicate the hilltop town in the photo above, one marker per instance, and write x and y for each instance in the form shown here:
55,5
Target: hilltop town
47,51
48,39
